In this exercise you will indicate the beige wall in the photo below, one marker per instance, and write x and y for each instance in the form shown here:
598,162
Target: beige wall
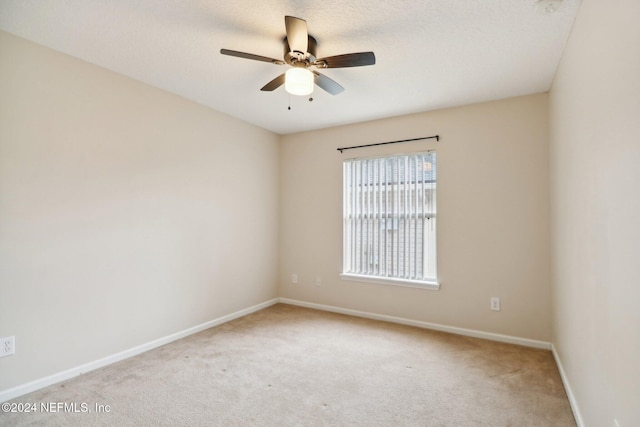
126,213
493,217
595,182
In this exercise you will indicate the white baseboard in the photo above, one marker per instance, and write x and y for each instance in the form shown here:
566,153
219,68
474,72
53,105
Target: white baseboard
567,387
425,325
23,389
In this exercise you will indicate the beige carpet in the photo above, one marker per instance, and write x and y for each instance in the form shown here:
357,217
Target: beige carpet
291,366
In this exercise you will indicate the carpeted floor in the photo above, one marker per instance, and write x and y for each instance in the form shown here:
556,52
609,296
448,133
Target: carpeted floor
292,366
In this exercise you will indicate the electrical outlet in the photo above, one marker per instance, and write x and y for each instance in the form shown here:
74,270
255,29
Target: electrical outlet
318,281
616,423
7,346
294,278
495,304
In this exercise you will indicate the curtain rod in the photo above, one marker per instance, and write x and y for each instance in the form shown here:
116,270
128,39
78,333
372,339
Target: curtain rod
437,137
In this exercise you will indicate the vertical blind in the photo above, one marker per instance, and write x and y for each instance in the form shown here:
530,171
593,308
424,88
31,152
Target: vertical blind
390,217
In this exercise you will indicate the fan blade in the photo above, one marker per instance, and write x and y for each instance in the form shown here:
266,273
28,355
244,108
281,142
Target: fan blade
347,60
297,35
274,84
250,56
327,84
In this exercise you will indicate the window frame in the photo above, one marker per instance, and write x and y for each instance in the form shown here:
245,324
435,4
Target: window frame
430,283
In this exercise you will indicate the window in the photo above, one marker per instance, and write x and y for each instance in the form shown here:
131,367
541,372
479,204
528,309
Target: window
389,230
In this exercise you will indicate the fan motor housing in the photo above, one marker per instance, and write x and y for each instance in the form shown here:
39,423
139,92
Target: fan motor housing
292,58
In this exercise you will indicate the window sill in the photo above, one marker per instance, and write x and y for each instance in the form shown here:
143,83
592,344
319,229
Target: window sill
431,285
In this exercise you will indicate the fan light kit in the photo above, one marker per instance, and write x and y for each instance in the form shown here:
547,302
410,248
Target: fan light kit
300,54
298,81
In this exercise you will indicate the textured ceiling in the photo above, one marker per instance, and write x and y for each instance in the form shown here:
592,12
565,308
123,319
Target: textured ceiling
430,53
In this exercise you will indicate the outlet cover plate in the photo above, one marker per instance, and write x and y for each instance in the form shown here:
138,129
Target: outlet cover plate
7,346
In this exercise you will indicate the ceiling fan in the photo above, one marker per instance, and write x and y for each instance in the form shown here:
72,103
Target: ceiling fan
300,54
